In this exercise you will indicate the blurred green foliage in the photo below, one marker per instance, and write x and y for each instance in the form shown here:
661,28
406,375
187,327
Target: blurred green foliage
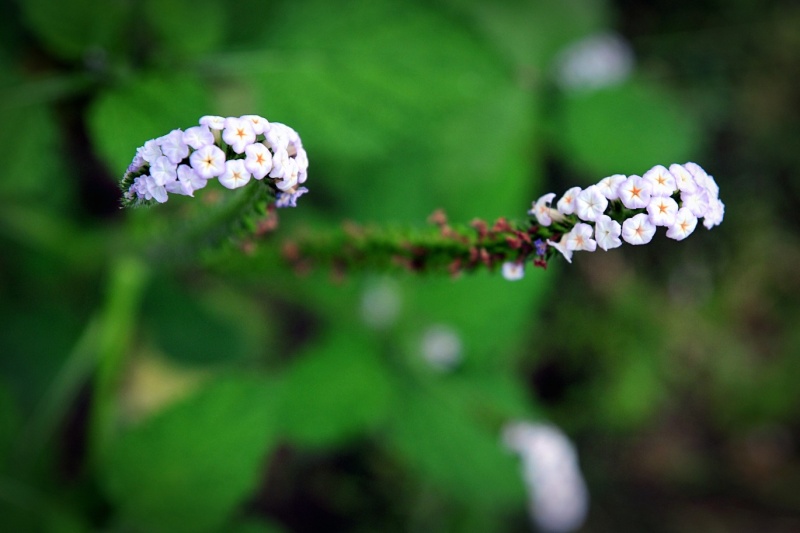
145,389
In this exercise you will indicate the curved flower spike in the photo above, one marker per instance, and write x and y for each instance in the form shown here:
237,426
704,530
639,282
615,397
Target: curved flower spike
232,149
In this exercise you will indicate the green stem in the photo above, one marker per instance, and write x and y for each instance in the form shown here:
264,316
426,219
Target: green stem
117,323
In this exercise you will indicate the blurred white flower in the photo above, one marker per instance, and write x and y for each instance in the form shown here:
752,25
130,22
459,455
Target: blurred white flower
441,347
380,303
513,271
559,499
596,61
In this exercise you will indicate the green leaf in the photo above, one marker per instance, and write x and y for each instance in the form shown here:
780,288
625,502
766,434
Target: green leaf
336,390
28,176
530,33
625,129
489,314
10,423
446,447
188,467
202,328
187,27
408,112
71,29
124,118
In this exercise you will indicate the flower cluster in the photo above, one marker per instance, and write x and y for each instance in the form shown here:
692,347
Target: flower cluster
233,150
559,500
630,208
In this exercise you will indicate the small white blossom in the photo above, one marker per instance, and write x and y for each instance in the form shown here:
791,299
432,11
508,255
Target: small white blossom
661,181
607,232
212,121
635,192
580,238
441,347
260,124
684,224
154,189
638,229
609,187
559,497
174,147
289,199
715,213
150,151
238,134
198,137
541,209
208,161
235,175
258,160
561,246
163,171
513,271
697,202
278,136
302,165
280,161
289,179
590,204
566,204
683,178
662,210
188,181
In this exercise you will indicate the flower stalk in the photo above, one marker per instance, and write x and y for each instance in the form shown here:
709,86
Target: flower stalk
237,150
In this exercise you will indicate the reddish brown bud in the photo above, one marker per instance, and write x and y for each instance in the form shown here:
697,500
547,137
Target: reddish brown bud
438,217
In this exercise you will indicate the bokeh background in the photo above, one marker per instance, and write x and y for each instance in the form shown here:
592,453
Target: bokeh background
144,394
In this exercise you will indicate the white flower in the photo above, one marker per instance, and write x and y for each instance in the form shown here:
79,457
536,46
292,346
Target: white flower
302,165
580,238
174,147
289,199
188,181
697,202
258,161
715,213
198,137
607,232
150,151
684,225
635,192
235,175
590,204
260,124
609,187
561,246
683,178
593,62
238,134
289,179
154,189
280,160
703,180
662,210
278,136
661,181
559,498
638,229
566,204
208,161
441,347
513,271
542,210
212,121
163,171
